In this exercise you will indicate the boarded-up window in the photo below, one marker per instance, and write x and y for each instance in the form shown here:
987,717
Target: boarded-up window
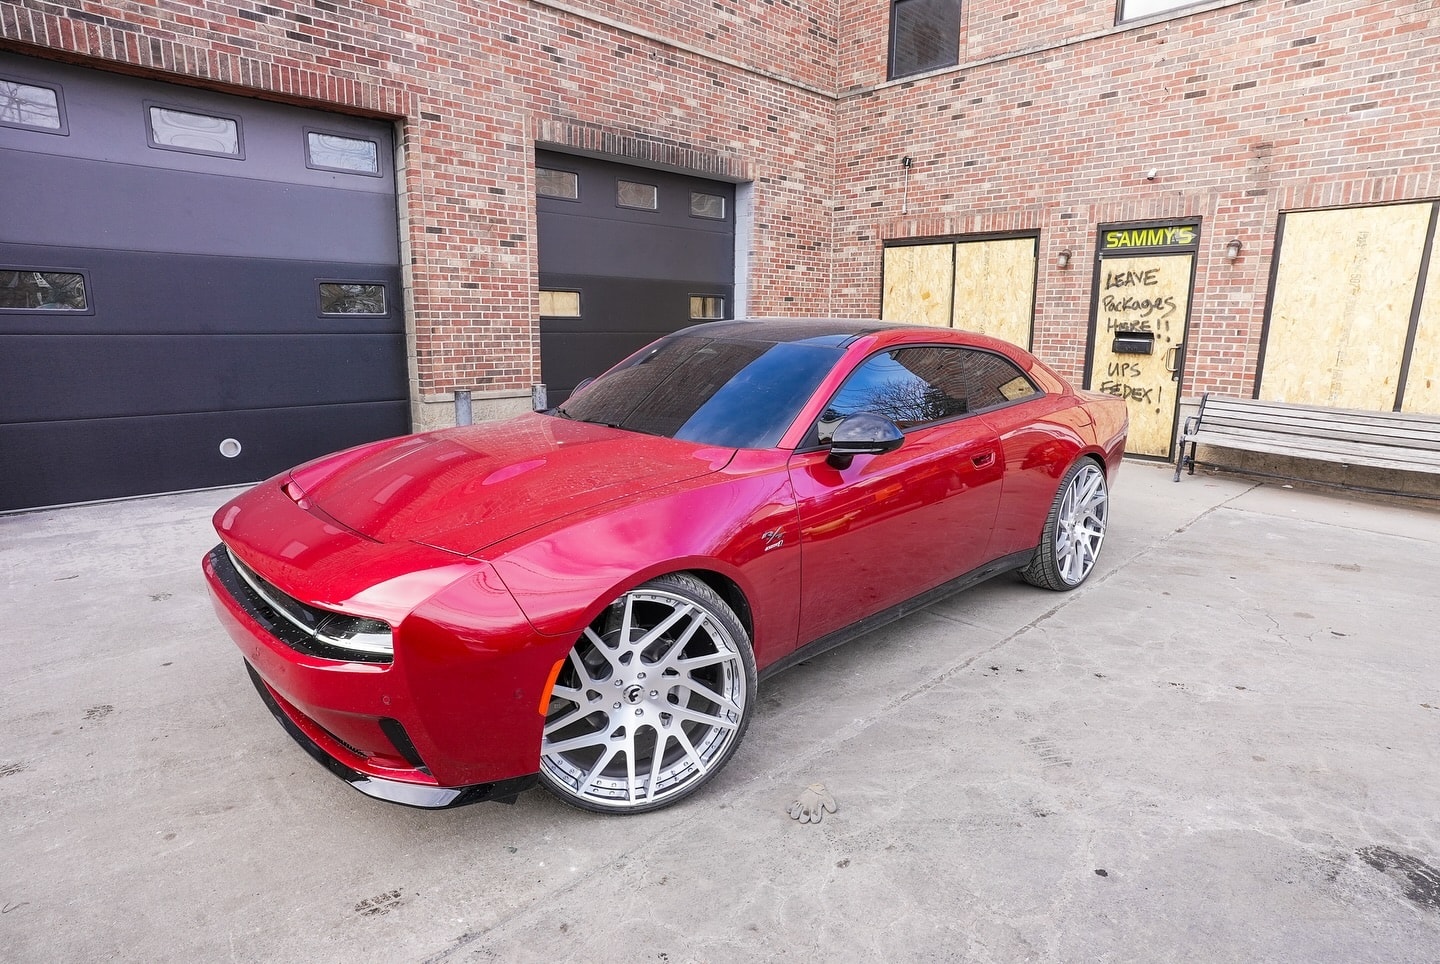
985,285
1342,307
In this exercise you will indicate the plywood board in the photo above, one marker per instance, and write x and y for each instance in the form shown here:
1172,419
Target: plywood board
1341,308
995,288
1422,383
1149,299
918,283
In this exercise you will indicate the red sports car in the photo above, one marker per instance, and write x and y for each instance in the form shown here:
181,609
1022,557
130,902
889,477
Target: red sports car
589,595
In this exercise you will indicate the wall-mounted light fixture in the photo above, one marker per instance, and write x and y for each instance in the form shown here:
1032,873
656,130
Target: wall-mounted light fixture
1062,260
1232,250
1152,174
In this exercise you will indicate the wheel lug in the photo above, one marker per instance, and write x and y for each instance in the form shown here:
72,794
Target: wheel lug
654,693
617,706
639,712
640,676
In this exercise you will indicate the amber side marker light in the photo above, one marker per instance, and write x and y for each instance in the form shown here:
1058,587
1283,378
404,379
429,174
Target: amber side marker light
550,685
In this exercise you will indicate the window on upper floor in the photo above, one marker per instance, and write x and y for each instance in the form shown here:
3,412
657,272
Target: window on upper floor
924,35
1135,9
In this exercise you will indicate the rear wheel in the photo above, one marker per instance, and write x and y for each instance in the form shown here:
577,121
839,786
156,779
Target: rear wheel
1073,531
651,702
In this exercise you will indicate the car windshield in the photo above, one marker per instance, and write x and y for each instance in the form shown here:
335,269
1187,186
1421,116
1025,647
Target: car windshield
735,393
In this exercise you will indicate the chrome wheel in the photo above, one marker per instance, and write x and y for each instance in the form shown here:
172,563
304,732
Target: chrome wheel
1073,531
651,701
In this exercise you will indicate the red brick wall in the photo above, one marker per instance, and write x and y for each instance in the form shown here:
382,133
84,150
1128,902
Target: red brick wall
1245,109
473,88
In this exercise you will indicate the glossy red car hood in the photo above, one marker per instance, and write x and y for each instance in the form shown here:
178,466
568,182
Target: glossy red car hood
464,489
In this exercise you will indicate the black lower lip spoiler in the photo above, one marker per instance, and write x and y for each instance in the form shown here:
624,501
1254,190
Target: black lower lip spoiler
393,791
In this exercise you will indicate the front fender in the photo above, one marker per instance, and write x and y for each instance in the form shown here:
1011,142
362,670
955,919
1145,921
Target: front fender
740,522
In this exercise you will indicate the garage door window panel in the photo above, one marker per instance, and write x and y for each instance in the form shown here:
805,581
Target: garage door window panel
707,307
708,206
353,298
31,290
330,151
36,107
559,304
636,195
191,132
562,185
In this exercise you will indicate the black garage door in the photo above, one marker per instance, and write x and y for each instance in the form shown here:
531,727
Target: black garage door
195,289
626,254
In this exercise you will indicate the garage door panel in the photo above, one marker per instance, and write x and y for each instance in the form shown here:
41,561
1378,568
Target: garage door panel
90,376
656,307
132,293
53,463
634,250
204,243
95,204
107,121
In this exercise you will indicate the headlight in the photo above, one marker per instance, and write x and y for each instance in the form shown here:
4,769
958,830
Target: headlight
369,639
352,632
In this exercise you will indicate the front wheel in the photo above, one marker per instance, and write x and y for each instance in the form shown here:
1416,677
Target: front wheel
1073,531
651,702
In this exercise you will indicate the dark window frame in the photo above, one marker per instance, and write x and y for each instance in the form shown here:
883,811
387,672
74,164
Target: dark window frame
724,306
655,208
579,304
239,153
349,136
1177,10
384,287
63,130
558,197
85,284
724,204
951,58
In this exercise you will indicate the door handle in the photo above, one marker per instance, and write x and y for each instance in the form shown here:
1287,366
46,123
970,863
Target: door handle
1174,358
982,460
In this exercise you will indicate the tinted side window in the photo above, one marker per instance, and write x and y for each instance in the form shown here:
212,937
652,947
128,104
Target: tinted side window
919,386
993,380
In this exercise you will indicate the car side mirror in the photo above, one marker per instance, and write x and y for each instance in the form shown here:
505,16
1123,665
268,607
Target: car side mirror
863,434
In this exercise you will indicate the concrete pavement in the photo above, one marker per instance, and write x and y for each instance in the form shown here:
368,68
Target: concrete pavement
1224,747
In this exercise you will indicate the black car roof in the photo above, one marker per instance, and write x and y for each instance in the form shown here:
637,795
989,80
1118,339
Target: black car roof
835,332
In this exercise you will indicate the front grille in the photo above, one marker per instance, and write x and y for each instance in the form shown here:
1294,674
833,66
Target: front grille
304,628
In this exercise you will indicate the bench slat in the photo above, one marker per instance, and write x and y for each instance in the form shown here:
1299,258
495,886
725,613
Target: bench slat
1350,455
1403,441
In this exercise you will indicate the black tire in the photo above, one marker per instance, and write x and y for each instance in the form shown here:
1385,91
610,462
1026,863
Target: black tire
1074,530
639,723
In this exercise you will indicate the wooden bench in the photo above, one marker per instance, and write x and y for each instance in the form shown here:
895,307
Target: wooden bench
1404,442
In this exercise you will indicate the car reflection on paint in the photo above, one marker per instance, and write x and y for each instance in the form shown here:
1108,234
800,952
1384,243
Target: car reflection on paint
588,597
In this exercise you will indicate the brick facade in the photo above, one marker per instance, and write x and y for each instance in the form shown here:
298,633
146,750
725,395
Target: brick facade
1245,109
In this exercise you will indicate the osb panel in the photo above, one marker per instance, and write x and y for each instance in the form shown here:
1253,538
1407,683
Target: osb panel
918,280
1341,310
995,288
1422,383
1148,294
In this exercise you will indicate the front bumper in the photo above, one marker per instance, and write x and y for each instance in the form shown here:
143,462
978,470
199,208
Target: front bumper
455,719
424,796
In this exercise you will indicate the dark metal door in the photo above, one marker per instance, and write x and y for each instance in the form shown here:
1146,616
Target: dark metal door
632,255
233,269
